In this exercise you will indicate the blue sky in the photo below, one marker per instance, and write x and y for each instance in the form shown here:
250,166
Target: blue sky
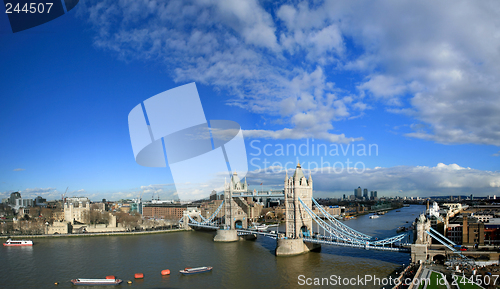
418,80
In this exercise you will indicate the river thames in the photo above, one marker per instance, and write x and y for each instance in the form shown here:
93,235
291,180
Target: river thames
243,264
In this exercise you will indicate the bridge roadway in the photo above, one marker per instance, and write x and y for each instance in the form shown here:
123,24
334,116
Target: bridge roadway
240,231
319,239
260,195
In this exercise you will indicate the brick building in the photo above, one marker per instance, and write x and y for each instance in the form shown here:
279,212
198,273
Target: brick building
164,211
465,230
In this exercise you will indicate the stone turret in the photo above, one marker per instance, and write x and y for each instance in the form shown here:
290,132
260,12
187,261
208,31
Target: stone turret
233,214
298,223
422,239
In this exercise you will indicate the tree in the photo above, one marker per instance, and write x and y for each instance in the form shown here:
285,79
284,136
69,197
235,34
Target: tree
95,217
34,212
127,220
6,228
46,213
85,217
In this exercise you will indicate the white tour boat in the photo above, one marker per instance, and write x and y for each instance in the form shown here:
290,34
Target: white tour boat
10,242
81,281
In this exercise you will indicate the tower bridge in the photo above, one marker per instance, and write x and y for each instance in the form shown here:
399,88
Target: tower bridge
423,250
299,235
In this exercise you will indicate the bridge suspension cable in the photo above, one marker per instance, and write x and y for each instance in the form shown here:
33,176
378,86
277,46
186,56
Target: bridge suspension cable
341,226
206,222
334,232
212,217
346,236
443,240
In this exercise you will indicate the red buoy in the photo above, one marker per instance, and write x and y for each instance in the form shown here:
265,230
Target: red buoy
165,272
138,275
110,277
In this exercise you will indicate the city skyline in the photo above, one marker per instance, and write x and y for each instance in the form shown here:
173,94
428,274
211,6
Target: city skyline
411,100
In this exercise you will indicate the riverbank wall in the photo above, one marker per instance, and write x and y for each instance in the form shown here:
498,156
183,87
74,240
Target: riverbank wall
94,234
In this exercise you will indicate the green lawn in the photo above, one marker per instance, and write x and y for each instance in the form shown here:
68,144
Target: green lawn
434,282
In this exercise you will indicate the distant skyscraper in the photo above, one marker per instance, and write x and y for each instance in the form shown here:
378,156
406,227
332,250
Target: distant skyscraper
39,201
365,193
13,197
213,195
357,193
343,198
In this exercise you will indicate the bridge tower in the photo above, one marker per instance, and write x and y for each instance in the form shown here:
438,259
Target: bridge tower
297,221
234,216
422,240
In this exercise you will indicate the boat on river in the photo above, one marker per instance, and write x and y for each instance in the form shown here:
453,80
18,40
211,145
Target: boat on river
189,271
401,229
259,227
374,216
16,243
99,282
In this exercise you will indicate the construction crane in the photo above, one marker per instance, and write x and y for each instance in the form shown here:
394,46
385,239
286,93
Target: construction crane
64,195
139,197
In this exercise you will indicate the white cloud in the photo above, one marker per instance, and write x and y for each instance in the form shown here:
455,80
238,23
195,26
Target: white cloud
294,134
250,20
435,62
444,61
410,180
154,191
116,196
231,45
19,170
43,192
162,191
384,87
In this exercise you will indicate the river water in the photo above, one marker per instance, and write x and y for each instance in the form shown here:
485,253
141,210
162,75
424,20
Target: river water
244,264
